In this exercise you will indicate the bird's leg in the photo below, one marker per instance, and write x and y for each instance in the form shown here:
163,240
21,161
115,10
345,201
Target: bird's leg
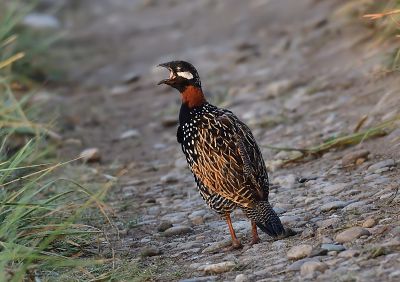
235,241
255,239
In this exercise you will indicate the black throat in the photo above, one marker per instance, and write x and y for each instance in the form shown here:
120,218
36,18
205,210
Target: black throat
184,114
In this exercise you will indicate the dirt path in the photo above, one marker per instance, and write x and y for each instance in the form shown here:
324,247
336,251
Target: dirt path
290,70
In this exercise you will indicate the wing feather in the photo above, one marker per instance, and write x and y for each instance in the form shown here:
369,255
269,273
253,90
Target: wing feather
229,161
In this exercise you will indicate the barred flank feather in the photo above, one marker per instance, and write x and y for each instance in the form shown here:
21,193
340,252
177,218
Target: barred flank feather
266,219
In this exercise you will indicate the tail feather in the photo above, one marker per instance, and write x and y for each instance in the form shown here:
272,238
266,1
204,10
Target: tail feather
266,219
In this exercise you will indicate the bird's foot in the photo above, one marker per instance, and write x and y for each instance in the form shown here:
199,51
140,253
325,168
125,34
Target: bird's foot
255,240
236,245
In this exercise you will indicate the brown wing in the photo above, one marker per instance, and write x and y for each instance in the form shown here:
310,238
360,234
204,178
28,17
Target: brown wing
229,161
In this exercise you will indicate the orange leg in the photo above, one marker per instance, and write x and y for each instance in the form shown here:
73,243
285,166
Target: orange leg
255,239
235,241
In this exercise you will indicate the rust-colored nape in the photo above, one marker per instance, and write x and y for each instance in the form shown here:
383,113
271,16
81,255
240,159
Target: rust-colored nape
193,96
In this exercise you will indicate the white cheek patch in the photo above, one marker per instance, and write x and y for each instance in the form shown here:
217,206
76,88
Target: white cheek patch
185,74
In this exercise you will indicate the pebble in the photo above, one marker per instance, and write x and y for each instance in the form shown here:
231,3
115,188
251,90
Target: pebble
197,220
333,205
201,279
169,121
241,278
131,133
327,222
355,205
369,222
164,225
169,178
317,252
90,155
349,254
150,251
286,181
177,230
381,164
41,21
310,267
130,77
333,247
351,158
217,246
219,267
279,87
351,234
297,264
335,188
286,219
299,252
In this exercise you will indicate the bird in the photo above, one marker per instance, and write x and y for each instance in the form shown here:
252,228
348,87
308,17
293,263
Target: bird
223,156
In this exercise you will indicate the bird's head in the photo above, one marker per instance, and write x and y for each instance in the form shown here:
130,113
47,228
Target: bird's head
181,75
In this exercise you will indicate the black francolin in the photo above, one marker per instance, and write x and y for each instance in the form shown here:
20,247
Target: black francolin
223,156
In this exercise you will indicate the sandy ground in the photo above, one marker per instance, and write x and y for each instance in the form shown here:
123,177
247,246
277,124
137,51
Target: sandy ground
298,73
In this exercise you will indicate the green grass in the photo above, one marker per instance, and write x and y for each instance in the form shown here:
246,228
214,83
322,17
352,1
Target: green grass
355,138
42,214
47,227
26,48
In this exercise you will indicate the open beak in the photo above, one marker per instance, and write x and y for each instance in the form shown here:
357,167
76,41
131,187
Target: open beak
171,74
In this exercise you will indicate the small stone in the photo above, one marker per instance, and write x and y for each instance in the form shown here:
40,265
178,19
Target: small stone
353,157
219,267
382,164
351,234
316,252
90,155
164,225
300,251
349,254
279,87
335,188
333,247
278,210
150,251
241,278
297,264
177,230
131,133
310,267
169,178
286,181
197,220
327,222
41,21
201,279
287,219
169,121
369,222
214,247
333,205
130,77
73,142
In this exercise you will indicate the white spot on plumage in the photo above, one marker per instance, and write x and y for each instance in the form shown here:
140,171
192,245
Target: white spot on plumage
185,74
